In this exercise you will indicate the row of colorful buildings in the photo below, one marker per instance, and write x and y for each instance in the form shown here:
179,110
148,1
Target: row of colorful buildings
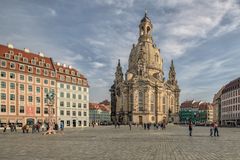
27,77
197,111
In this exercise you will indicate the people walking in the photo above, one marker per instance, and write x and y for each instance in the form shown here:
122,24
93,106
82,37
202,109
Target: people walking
211,129
5,127
130,125
190,127
144,126
216,129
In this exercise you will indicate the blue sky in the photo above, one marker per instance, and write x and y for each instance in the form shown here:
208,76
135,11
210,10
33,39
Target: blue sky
203,38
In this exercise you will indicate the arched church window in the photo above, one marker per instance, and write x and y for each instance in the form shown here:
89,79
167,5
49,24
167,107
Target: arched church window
152,102
148,30
131,102
140,101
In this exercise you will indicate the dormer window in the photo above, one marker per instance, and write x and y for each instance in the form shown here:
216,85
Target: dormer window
12,65
48,65
11,52
67,71
60,70
43,60
33,62
73,73
74,80
3,63
40,63
25,60
7,55
30,69
79,81
20,54
16,57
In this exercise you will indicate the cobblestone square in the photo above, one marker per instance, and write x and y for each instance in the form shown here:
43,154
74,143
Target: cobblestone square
109,143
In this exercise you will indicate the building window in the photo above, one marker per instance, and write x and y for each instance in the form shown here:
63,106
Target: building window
25,60
38,110
74,96
45,81
85,89
152,102
21,77
85,105
68,86
79,96
21,67
12,75
3,84
3,96
3,108
79,105
85,98
12,109
3,63
37,99
68,104
85,113
62,112
12,97
52,83
3,74
29,88
85,123
30,79
68,95
140,101
38,70
37,80
45,110
62,104
62,94
21,97
45,72
79,123
21,109
164,105
45,90
68,123
74,87
30,98
38,89
61,85
12,65
74,105
68,113
73,113
30,69
52,73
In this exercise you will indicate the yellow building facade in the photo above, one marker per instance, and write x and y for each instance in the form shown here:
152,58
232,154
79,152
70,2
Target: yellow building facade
143,95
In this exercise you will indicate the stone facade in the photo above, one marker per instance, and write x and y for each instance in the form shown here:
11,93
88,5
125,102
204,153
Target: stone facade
143,95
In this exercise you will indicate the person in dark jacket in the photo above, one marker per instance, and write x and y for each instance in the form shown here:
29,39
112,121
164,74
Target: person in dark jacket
190,127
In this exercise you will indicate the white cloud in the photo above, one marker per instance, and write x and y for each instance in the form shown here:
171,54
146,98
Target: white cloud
98,65
52,12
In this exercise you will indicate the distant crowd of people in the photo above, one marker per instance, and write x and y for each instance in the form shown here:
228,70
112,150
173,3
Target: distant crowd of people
32,128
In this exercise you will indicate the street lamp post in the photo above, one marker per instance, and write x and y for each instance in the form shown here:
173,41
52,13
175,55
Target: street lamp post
50,97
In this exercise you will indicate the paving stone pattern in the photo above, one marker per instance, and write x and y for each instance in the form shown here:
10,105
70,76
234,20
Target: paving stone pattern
102,143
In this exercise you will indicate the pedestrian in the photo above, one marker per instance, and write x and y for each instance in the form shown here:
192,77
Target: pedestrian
42,127
93,124
33,128
211,129
130,125
216,129
15,127
61,126
190,127
11,127
5,127
118,124
144,126
27,128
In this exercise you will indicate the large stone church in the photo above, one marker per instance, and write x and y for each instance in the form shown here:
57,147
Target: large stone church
143,95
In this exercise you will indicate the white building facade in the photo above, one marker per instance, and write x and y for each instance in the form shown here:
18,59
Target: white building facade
72,97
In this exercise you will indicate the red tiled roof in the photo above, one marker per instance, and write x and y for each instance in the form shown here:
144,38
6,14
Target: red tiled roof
5,49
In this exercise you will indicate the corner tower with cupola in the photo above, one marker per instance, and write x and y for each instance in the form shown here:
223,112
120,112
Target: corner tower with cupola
144,96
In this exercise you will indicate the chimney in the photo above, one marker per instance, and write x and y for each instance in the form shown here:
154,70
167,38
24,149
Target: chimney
10,45
26,50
